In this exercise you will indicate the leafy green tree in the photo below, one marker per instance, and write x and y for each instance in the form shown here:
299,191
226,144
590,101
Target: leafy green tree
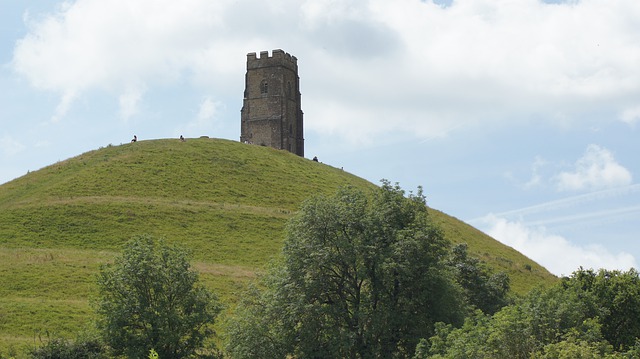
516,331
614,298
588,315
257,330
483,289
570,349
150,299
466,342
584,342
362,276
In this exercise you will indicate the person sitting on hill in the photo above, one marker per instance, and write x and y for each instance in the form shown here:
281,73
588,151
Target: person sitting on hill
315,159
135,138
182,139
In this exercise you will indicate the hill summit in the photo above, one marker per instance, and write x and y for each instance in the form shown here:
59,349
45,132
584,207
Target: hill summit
226,201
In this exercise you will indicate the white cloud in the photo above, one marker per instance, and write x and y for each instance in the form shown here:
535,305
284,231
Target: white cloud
207,110
368,68
597,169
554,252
631,115
9,146
95,45
63,106
536,178
129,101
205,119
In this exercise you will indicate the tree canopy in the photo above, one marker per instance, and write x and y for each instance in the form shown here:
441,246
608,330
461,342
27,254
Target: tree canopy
363,275
587,315
482,288
150,298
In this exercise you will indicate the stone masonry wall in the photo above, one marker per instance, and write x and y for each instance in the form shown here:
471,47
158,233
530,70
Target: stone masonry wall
271,113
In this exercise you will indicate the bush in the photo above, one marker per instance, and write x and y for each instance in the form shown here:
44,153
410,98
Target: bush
59,348
150,298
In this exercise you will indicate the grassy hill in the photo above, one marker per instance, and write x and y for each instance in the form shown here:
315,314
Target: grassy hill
226,201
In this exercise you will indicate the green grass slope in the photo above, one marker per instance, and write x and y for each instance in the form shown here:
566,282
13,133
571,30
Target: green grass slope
226,201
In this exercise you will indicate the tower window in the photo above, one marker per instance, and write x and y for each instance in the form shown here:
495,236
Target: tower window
264,87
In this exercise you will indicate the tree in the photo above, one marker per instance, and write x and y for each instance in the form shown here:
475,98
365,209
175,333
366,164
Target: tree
614,298
466,342
483,289
518,330
588,315
150,299
362,276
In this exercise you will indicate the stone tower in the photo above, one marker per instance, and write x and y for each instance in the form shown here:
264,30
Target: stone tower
271,114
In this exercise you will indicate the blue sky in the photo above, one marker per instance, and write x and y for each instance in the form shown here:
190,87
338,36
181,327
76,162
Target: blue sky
521,117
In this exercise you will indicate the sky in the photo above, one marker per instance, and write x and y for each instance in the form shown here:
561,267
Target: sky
519,117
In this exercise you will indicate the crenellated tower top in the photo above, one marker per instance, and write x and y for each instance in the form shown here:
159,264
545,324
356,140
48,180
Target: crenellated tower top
271,114
278,58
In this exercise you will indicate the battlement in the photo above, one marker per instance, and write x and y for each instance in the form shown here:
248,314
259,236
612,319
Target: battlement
278,58
271,113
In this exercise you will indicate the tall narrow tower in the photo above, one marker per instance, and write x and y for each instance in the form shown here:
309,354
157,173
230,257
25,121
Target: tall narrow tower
271,114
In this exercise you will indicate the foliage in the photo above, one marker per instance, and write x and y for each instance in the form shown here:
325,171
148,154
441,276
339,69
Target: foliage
463,343
588,315
257,328
575,349
361,277
483,289
615,297
60,348
150,299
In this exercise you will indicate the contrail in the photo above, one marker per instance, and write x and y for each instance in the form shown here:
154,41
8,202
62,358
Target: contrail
571,201
598,215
